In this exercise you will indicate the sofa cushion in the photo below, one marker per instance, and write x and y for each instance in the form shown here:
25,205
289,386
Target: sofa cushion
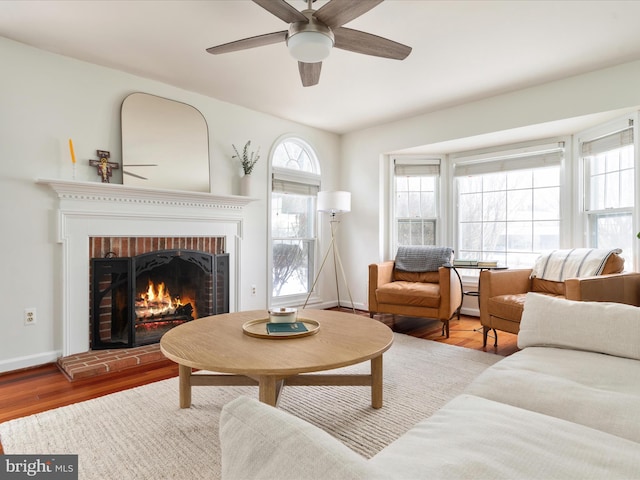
592,389
472,437
424,277
261,442
611,328
409,293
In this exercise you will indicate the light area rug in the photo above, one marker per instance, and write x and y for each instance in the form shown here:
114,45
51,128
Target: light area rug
141,433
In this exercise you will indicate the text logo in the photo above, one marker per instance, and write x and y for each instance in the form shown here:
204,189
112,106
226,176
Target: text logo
50,467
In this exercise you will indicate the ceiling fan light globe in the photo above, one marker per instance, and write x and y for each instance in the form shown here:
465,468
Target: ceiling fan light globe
309,47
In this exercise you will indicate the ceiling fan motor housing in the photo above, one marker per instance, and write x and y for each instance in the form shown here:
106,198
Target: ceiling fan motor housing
310,42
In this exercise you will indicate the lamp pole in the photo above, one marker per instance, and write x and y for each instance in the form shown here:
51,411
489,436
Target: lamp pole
333,203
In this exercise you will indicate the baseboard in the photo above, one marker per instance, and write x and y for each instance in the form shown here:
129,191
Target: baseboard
28,361
472,312
334,304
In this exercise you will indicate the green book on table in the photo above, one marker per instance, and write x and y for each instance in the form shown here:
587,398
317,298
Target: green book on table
285,328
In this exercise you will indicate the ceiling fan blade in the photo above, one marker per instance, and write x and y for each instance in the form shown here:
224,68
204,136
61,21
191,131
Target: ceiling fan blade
369,44
251,42
282,10
309,73
338,12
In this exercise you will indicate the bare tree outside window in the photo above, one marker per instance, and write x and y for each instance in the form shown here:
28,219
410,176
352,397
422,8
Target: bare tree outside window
415,209
510,216
289,264
609,183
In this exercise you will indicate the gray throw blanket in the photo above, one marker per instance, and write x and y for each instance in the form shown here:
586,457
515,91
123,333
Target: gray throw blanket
422,258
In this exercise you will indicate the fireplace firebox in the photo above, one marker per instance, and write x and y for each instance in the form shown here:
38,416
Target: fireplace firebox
135,300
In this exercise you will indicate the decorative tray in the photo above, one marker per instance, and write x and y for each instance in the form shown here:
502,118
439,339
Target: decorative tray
258,328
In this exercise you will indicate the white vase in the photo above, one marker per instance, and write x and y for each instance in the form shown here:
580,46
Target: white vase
246,185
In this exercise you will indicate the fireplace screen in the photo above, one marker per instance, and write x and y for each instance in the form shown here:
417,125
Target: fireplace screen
137,299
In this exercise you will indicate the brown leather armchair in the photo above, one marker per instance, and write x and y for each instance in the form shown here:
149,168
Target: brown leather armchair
502,293
435,294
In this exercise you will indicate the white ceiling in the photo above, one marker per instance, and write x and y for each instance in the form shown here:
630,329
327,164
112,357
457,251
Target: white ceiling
462,50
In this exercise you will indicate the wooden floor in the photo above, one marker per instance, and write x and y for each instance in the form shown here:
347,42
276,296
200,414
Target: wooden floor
34,390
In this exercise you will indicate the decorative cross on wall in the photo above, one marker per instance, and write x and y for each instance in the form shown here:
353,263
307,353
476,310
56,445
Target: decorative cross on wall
103,165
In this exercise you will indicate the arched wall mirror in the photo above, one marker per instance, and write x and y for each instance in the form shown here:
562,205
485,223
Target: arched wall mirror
165,144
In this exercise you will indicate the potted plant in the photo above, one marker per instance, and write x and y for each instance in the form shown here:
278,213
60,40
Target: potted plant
248,162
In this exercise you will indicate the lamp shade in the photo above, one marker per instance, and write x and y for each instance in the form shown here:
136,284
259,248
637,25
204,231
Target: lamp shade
334,202
310,47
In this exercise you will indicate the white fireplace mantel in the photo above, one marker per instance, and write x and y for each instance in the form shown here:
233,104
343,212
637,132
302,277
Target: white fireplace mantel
91,209
117,193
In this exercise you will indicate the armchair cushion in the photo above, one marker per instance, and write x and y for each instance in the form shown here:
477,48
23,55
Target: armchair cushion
547,286
507,306
424,277
410,293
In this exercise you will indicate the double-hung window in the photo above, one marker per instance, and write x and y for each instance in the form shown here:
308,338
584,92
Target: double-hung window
508,204
295,185
415,200
609,187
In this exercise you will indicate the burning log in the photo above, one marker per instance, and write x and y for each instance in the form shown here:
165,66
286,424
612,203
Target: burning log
157,303
182,313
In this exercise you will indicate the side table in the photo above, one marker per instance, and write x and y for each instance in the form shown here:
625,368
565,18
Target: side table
476,293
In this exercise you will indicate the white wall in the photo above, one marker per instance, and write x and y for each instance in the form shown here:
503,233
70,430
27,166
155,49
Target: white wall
363,173
45,99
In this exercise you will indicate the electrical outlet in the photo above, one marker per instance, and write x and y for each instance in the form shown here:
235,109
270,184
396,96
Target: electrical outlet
30,316
253,290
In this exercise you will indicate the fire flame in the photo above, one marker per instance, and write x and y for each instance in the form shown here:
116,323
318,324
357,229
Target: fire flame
157,302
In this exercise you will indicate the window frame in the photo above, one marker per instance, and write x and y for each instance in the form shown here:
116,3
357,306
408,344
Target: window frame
412,162
527,156
587,218
301,183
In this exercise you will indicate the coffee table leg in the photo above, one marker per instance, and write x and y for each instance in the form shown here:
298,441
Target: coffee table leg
268,390
376,382
184,373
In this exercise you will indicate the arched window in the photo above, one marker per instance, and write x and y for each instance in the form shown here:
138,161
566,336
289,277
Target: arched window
295,185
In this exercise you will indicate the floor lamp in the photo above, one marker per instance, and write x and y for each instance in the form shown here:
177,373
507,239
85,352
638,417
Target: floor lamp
333,203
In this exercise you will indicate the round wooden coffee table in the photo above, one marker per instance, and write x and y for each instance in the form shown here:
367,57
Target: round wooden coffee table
218,344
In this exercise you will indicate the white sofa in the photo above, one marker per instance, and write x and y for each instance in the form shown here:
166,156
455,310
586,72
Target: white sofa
567,405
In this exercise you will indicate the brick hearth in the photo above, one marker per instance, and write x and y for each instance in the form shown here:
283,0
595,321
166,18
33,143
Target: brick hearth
100,362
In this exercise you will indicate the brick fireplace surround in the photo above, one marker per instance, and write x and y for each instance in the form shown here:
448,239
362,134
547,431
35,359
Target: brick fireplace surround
102,210
99,362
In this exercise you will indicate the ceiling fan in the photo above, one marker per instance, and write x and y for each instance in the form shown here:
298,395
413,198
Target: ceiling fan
313,33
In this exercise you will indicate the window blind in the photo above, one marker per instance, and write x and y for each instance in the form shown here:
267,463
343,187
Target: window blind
416,167
607,142
504,163
294,184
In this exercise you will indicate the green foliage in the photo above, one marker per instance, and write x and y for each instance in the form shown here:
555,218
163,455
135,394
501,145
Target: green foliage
248,160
